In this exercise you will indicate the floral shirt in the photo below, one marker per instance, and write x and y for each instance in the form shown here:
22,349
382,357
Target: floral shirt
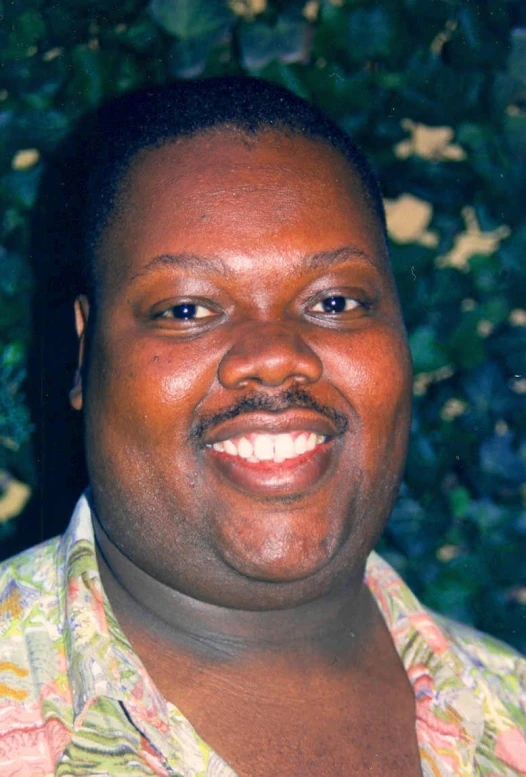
76,700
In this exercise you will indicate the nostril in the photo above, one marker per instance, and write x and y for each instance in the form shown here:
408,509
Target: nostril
269,357
247,381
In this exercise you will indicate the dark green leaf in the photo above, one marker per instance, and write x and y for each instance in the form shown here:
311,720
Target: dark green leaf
427,352
287,41
371,33
497,457
20,186
87,85
188,56
191,18
517,58
27,29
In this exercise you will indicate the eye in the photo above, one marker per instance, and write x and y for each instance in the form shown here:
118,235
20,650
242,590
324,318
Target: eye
336,303
186,311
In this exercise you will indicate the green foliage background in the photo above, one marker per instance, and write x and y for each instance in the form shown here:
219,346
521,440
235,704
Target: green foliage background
458,531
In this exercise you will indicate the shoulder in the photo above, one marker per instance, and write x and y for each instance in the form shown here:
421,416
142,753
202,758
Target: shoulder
32,661
30,622
27,580
457,661
497,676
502,667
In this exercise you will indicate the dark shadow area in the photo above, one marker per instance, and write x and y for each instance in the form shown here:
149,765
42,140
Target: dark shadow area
56,251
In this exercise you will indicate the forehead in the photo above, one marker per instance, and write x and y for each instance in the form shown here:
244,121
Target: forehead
227,192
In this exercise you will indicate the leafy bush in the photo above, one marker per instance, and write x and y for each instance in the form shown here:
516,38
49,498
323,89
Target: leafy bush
435,93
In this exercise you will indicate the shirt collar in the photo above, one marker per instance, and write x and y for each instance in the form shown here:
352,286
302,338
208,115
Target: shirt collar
102,663
100,660
91,662
447,706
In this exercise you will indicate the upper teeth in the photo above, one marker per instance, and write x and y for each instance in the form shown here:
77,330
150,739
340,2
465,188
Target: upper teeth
270,447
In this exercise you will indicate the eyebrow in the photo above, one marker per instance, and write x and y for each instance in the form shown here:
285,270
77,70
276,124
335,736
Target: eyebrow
208,265
338,256
212,265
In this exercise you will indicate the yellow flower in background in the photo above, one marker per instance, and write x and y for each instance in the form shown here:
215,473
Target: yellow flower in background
248,8
14,497
25,159
433,143
407,220
472,241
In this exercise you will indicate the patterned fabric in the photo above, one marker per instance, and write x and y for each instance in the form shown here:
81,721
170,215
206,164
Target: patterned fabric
76,700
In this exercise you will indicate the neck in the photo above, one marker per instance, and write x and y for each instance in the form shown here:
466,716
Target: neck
335,625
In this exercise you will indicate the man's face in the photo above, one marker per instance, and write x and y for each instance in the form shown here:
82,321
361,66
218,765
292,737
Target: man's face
249,381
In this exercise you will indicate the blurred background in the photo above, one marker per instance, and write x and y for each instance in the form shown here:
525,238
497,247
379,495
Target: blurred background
434,91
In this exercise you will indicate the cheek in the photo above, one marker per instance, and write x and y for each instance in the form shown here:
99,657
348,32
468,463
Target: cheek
141,399
383,373
179,376
372,369
378,386
151,378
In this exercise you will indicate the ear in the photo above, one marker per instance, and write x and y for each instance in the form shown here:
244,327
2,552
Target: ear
81,323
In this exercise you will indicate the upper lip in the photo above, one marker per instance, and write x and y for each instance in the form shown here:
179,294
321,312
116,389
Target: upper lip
271,423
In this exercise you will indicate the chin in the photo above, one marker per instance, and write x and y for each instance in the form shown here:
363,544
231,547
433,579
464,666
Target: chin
281,547
280,568
278,587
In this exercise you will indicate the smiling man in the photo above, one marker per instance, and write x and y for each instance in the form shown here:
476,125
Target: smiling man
214,607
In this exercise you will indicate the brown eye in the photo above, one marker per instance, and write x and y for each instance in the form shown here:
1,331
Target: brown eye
186,311
336,303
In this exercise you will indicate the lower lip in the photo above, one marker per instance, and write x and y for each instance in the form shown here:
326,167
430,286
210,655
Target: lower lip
292,477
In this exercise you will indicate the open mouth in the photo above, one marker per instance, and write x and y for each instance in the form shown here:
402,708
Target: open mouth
283,454
277,448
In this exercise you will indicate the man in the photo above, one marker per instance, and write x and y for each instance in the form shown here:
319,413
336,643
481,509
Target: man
214,607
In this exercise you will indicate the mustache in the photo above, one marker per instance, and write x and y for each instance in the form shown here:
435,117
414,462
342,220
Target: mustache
289,399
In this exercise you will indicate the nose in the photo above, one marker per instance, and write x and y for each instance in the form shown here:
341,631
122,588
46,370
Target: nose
269,355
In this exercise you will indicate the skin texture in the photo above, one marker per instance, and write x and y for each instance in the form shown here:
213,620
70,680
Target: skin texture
259,211
237,583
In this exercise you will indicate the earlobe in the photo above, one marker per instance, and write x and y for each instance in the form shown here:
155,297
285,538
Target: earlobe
81,322
75,395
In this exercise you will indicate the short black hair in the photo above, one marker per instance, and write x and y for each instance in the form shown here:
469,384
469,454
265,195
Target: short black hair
155,115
